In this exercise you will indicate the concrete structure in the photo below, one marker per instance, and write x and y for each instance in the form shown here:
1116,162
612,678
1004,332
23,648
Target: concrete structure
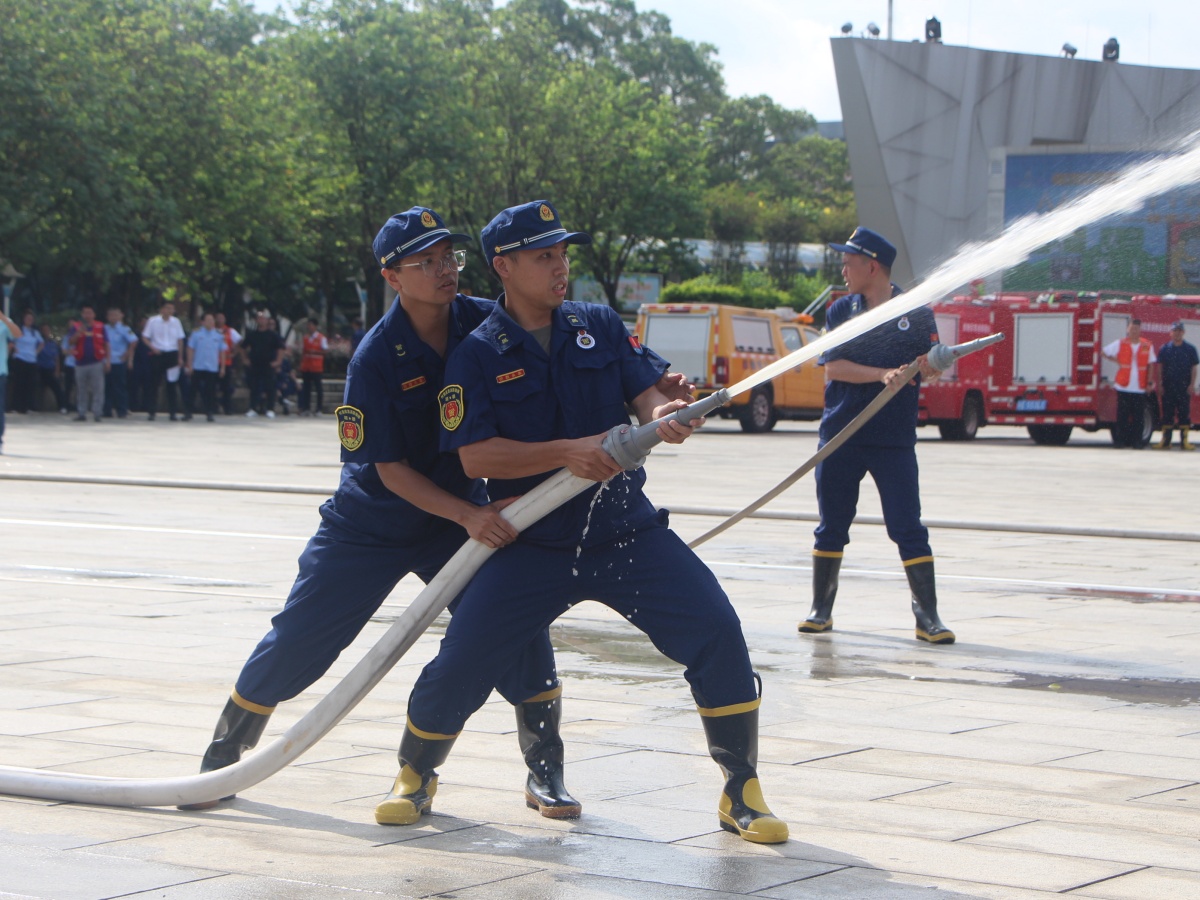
923,123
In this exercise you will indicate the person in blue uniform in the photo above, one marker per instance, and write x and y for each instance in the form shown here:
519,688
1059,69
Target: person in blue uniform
885,447
401,506
1179,363
534,389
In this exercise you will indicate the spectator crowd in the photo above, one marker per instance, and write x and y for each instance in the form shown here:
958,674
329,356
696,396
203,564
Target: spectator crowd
97,369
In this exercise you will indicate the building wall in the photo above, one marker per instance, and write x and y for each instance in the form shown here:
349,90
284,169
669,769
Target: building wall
922,120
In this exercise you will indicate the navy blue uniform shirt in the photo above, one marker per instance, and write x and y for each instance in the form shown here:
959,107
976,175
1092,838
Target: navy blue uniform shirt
393,381
1177,364
895,343
500,383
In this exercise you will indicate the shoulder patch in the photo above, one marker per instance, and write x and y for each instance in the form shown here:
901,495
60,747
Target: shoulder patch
510,376
350,426
412,383
450,406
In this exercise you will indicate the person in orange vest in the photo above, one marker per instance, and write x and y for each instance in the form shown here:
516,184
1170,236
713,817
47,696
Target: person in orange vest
1133,355
312,367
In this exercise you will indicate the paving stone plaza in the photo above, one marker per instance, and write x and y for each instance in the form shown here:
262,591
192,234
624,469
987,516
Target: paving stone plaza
1053,750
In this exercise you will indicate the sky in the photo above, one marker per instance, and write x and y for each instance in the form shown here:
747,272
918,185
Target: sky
781,47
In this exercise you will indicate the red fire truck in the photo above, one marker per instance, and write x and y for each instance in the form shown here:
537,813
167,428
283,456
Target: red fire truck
1049,374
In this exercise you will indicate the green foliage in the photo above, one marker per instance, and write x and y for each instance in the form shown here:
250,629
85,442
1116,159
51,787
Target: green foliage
753,291
209,152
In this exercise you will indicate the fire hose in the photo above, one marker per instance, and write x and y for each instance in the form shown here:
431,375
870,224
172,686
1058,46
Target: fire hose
627,444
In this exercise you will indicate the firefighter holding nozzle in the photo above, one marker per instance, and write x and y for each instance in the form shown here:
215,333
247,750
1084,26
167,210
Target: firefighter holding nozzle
855,373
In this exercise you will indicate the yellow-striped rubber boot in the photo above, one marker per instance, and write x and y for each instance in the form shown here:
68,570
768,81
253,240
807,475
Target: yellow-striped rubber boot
541,743
826,564
924,602
732,733
411,797
239,728
415,787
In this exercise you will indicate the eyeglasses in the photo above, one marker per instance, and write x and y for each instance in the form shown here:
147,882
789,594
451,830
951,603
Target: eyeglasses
432,268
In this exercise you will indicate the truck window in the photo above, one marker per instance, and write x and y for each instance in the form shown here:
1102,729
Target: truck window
683,340
752,335
791,338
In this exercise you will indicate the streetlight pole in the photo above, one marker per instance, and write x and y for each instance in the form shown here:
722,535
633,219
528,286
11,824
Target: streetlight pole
889,20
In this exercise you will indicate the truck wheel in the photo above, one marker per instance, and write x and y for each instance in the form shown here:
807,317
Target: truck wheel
1149,423
759,415
1050,435
967,427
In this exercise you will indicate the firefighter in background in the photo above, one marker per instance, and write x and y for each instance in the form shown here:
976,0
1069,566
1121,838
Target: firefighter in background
1179,363
1133,355
855,373
312,368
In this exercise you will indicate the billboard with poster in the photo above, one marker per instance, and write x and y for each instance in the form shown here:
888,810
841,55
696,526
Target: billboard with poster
1153,250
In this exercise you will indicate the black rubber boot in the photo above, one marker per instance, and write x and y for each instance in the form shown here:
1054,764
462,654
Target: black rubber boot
825,585
924,603
238,730
1165,443
413,792
541,743
733,744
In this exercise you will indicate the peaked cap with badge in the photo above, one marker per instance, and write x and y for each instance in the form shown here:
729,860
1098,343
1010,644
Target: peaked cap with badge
411,232
865,242
526,227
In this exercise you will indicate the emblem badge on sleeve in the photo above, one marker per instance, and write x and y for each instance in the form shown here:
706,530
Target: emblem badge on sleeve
350,426
450,406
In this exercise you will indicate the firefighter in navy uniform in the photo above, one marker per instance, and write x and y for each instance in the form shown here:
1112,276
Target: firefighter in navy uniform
401,506
1178,362
885,447
533,390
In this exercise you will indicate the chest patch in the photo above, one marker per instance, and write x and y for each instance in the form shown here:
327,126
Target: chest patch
350,426
412,383
585,340
510,376
903,324
450,406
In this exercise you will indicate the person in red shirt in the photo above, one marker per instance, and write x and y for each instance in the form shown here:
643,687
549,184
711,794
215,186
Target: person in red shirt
91,365
312,367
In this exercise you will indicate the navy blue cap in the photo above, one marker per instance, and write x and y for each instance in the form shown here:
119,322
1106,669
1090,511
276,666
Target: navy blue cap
866,242
1177,324
411,232
526,227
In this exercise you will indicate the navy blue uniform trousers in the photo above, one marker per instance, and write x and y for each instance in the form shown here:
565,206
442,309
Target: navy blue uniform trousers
344,578
648,576
894,470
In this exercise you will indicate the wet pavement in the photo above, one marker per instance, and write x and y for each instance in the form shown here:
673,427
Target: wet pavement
1055,749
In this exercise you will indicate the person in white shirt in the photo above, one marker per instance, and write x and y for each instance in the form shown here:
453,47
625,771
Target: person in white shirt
163,336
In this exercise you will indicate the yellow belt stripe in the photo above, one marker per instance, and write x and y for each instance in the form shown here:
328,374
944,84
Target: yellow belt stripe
251,707
735,709
919,559
430,735
831,554
552,694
